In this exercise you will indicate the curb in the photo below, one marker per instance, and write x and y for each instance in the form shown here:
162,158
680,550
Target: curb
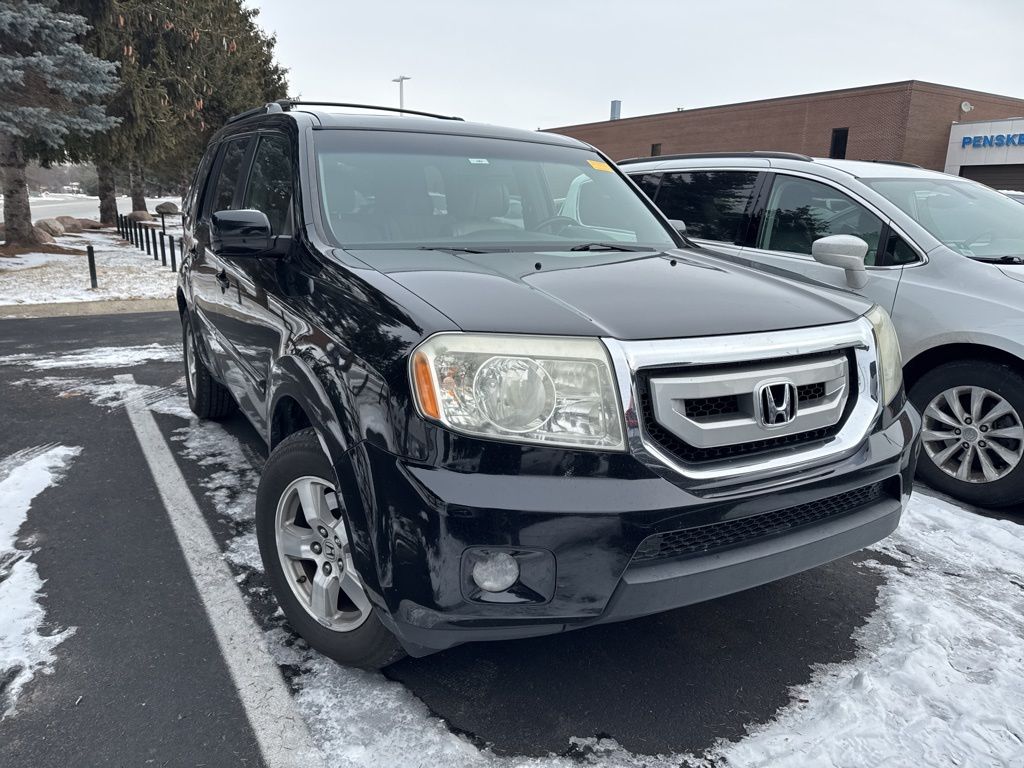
73,308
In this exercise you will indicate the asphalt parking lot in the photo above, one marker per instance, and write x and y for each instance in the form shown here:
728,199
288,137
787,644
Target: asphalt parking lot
143,679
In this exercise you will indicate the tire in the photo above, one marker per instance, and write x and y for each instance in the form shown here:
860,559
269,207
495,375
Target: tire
207,397
957,402
311,574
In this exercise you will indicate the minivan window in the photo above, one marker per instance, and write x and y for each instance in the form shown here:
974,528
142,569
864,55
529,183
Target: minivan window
801,211
712,204
384,189
972,219
227,176
270,183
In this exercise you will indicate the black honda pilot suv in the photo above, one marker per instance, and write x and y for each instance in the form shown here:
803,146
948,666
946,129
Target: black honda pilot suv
500,402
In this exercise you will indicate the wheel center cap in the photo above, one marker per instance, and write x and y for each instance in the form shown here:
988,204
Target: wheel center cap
970,434
329,550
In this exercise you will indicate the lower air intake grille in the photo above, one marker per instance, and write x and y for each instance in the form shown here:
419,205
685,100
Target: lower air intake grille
731,533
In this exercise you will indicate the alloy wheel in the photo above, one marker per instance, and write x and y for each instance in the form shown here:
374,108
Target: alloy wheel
973,434
316,557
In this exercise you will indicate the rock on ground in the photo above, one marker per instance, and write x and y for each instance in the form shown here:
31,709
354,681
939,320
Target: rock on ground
70,223
50,227
167,207
140,216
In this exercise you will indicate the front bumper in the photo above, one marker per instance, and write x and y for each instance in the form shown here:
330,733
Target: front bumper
583,530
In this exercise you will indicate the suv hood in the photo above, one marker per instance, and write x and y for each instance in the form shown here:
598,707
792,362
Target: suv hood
675,294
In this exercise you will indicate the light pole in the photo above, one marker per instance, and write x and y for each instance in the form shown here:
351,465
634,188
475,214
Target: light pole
401,89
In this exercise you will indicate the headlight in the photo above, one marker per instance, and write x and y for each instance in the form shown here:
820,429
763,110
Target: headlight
529,389
890,361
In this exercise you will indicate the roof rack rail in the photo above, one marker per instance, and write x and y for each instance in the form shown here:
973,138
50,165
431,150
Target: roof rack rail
893,162
270,106
771,154
287,104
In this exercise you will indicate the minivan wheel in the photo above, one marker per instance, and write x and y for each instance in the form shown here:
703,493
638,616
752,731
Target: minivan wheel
207,397
307,555
973,431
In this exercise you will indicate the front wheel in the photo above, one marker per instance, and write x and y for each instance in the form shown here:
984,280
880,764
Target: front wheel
973,432
305,547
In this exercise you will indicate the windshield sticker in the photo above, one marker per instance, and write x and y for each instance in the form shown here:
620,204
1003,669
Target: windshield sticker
599,165
478,160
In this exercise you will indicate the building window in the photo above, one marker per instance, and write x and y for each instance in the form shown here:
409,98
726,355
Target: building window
838,148
655,150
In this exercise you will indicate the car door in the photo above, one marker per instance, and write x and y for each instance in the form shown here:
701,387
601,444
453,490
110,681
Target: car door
797,210
715,205
215,293
255,328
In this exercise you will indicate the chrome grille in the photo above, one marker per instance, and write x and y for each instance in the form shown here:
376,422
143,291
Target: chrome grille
715,412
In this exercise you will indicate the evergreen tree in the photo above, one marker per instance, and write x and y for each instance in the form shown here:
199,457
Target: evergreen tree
184,69
50,88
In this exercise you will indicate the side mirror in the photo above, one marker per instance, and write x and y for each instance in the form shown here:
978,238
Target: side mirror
846,252
240,233
679,226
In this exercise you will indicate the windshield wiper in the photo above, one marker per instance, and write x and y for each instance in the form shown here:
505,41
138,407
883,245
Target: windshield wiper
999,259
456,249
609,247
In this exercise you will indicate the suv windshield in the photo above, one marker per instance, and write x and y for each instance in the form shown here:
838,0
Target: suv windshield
403,189
971,219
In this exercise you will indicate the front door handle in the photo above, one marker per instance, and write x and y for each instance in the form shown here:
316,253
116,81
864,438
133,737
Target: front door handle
222,278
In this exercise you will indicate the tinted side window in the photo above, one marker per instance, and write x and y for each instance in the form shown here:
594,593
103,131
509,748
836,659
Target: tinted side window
800,211
270,183
227,177
712,204
194,196
648,182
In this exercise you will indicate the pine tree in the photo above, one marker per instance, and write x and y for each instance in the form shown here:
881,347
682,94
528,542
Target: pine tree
50,89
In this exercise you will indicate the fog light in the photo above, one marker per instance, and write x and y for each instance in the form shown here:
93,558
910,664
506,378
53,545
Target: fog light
495,572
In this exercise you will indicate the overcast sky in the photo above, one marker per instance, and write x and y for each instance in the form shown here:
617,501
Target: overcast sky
547,63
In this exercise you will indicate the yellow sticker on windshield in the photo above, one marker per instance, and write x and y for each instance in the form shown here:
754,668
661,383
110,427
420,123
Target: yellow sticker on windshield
599,165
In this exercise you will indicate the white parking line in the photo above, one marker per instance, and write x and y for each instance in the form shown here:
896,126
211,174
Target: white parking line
282,734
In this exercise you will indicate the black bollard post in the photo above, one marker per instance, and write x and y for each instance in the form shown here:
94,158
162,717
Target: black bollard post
92,265
119,232
135,235
163,251
174,266
149,247
163,223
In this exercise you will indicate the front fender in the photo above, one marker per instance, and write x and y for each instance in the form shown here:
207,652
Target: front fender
291,377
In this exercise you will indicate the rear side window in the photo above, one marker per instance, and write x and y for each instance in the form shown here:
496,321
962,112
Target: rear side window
648,182
801,211
270,183
194,196
712,204
232,156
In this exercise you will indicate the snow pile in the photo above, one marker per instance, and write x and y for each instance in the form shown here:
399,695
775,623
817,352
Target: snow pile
24,650
98,357
122,271
939,679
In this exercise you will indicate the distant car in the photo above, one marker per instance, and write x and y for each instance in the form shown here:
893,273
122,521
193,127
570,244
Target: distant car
943,254
1013,194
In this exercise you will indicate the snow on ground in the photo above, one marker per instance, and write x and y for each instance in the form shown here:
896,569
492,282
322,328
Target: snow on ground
937,679
122,272
24,649
98,357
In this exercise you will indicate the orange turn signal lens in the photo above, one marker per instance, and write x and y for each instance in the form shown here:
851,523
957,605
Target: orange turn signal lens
424,382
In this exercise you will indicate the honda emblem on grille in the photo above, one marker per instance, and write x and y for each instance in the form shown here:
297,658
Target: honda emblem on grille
776,403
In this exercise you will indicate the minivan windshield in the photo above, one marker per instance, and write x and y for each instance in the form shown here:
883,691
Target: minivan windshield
402,189
972,219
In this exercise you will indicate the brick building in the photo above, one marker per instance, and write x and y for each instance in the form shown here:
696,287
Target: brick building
908,121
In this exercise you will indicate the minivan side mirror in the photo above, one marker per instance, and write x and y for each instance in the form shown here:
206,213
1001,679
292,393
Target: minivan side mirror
678,225
241,233
846,252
